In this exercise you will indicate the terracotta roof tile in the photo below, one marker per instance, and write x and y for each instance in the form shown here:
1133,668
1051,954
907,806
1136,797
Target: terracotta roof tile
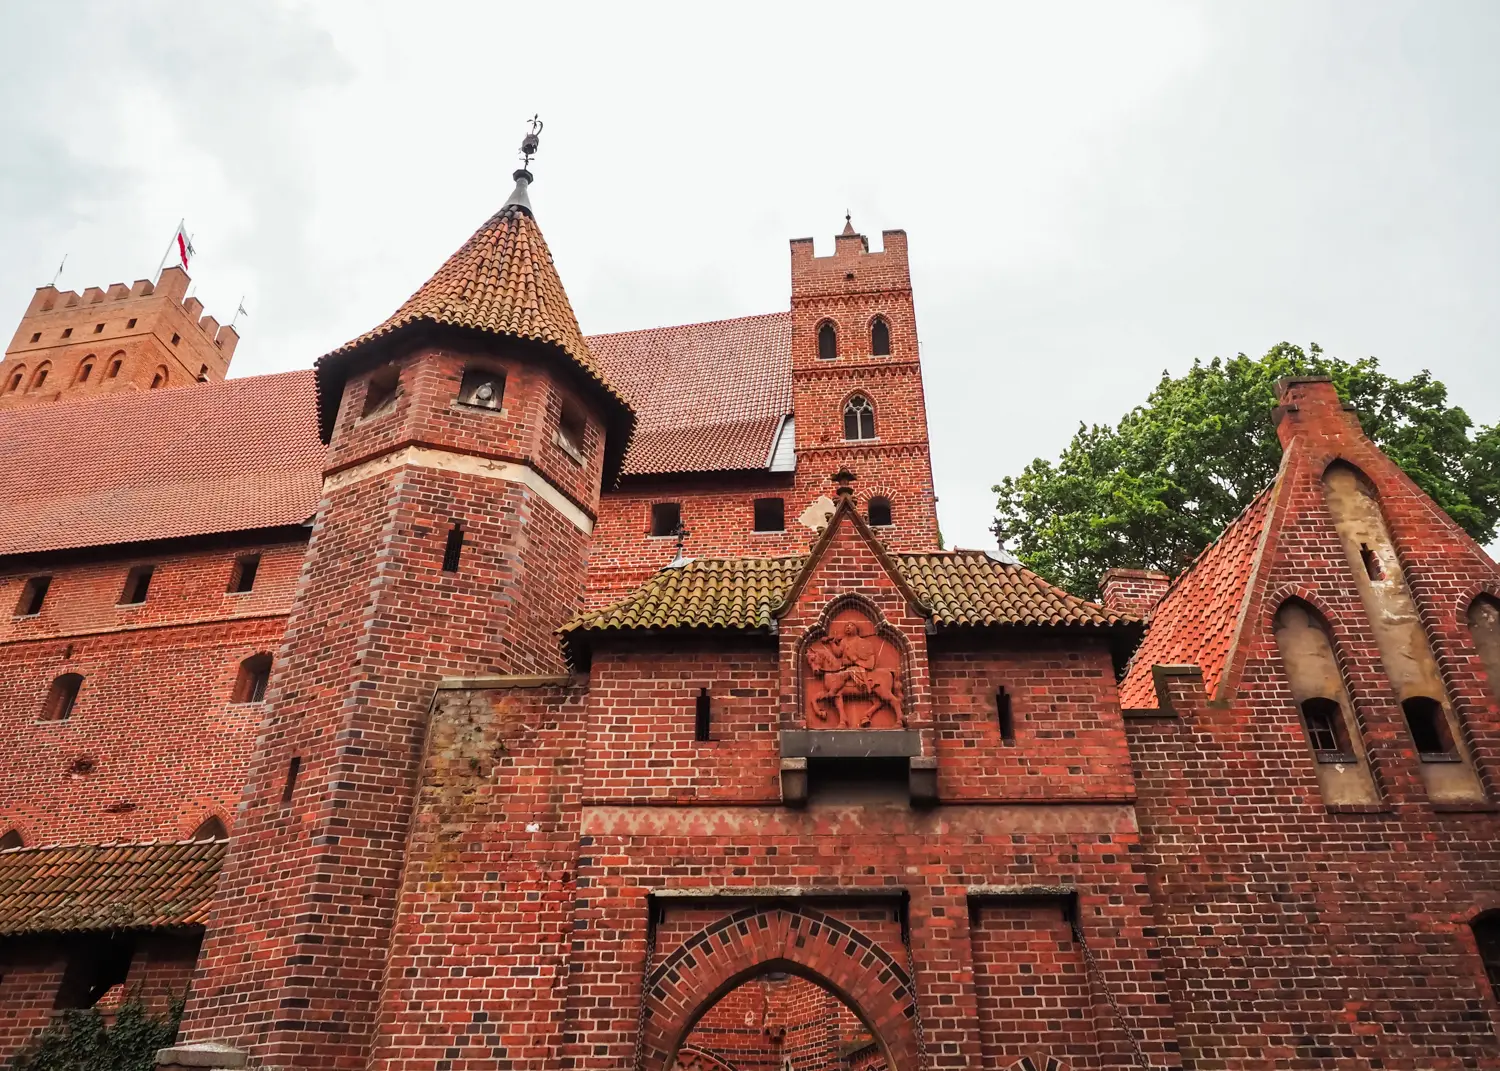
708,397
215,457
107,886
960,587
502,281
1195,622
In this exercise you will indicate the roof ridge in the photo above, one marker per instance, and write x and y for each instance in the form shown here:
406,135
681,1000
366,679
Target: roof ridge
695,323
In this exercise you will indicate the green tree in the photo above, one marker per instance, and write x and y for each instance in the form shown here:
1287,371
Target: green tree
1155,490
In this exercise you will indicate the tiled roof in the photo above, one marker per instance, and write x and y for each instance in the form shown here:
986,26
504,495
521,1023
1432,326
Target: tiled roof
960,588
214,457
1195,622
709,397
502,281
108,886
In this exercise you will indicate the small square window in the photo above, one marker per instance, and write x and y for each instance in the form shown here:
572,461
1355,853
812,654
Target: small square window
36,337
67,332
770,515
666,518
380,390
98,329
242,576
176,338
481,388
137,585
32,596
130,323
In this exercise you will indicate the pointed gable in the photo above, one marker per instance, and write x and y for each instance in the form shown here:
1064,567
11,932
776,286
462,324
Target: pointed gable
847,557
502,283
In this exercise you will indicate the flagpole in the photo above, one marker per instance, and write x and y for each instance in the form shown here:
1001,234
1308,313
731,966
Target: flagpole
170,246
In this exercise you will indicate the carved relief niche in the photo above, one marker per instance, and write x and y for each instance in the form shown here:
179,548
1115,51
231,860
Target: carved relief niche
852,673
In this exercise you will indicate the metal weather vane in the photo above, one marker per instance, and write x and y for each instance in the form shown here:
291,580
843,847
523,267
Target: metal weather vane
530,142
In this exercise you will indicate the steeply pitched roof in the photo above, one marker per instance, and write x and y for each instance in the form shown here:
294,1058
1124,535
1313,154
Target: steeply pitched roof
961,588
108,886
709,397
214,457
501,282
1196,621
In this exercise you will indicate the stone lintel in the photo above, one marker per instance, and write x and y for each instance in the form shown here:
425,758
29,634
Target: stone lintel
850,743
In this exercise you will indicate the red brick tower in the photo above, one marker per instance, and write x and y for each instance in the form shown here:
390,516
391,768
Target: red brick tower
469,437
126,338
857,384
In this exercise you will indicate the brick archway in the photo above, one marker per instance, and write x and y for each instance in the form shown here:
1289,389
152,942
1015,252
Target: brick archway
796,939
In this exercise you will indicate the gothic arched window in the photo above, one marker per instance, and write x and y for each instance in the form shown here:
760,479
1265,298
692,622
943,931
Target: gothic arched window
859,418
880,338
828,341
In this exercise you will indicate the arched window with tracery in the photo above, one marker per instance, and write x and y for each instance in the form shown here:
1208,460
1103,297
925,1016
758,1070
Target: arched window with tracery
859,418
828,341
880,338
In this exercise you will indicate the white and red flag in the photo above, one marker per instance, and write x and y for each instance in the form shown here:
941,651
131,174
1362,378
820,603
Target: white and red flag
184,245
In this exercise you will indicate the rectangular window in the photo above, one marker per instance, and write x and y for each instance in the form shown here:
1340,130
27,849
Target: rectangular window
1005,715
702,716
67,333
130,323
453,549
380,390
176,339
242,576
570,428
770,515
36,337
137,584
98,328
32,596
666,518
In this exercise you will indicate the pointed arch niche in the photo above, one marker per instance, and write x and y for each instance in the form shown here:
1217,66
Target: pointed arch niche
1433,729
1323,704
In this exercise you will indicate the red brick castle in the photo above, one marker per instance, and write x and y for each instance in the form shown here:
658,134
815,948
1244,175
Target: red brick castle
496,697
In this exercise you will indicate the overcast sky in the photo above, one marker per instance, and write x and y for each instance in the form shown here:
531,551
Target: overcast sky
1093,192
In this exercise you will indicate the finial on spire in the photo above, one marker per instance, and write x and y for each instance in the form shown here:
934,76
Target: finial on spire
843,481
848,223
529,144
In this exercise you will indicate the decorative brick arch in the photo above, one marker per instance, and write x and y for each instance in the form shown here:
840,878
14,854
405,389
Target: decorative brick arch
696,1058
791,938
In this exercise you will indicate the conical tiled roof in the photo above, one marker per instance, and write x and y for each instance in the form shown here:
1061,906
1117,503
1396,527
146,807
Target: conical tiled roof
501,282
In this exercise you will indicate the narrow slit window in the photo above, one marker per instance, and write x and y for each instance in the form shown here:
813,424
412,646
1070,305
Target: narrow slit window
1371,562
880,338
1005,715
62,697
242,576
453,549
666,518
40,377
33,595
293,768
85,371
1428,725
114,368
15,382
251,680
770,515
703,716
137,585
859,418
828,341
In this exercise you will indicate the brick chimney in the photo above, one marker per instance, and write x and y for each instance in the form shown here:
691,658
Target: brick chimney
1133,591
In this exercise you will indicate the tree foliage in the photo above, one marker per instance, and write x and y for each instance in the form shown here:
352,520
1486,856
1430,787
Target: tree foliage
83,1040
1156,489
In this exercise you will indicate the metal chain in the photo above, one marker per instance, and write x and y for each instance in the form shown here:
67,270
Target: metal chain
916,1007
1092,965
640,1015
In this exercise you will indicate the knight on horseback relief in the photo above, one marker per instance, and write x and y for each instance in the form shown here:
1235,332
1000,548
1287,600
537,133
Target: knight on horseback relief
853,678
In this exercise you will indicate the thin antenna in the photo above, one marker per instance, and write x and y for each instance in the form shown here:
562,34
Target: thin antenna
59,270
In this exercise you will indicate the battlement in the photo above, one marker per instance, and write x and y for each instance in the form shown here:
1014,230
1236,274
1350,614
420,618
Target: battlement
53,312
852,269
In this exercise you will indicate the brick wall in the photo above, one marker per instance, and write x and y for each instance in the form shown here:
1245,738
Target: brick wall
154,744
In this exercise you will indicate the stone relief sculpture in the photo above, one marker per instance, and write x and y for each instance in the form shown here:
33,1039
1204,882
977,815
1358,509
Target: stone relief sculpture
853,677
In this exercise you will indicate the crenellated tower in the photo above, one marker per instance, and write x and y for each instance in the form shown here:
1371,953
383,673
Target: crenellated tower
857,384
143,336
469,436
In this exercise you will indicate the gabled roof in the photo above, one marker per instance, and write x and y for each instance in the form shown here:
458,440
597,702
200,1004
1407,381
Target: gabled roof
501,283
1197,620
709,397
962,588
209,458
68,889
